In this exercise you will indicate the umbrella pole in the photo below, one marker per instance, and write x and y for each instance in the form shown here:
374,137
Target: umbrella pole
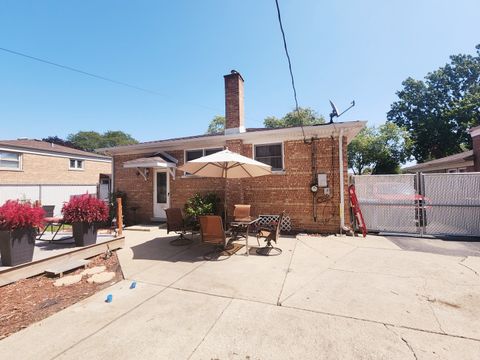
225,209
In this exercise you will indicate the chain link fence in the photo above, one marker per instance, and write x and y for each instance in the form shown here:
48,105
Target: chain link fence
436,204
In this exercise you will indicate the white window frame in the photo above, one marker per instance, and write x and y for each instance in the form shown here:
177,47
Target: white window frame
19,161
185,174
254,150
77,161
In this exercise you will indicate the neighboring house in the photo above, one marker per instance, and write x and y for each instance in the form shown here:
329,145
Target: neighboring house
148,173
466,161
38,170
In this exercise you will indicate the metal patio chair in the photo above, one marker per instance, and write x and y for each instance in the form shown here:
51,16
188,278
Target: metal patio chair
51,221
176,223
213,233
240,213
269,234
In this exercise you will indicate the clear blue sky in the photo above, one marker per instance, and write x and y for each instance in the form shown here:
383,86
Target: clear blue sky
341,50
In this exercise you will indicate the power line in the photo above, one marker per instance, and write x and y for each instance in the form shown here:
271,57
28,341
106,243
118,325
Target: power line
289,67
288,56
79,71
100,77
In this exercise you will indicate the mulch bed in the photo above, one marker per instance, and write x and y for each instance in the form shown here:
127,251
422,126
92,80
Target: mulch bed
28,301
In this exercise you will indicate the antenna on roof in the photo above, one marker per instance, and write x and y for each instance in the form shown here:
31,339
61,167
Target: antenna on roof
335,113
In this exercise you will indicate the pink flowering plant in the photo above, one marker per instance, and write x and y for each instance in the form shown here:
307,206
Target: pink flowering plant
18,215
85,208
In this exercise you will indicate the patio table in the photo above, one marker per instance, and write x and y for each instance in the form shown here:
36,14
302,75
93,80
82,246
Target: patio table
247,222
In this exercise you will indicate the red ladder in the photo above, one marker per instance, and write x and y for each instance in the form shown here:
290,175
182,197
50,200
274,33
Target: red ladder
356,210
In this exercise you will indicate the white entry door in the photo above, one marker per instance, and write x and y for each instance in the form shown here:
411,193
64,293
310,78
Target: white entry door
161,194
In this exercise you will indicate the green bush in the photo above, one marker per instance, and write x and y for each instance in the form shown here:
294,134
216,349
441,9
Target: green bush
199,205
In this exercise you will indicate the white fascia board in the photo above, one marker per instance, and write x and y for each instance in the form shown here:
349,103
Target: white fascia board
350,130
46,153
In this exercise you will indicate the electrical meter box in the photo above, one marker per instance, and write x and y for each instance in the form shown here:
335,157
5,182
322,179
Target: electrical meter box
322,180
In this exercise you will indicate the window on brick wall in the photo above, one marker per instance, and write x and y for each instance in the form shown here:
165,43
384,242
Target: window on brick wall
10,160
270,154
198,153
76,164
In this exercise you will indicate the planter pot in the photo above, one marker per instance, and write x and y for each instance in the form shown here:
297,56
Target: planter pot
16,246
84,233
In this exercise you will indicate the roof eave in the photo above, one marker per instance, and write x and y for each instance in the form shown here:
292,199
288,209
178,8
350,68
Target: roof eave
351,129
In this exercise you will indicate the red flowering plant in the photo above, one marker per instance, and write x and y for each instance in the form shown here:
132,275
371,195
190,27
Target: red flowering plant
17,215
85,208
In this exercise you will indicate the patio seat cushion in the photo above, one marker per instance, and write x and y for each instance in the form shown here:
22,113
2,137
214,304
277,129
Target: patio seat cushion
53,219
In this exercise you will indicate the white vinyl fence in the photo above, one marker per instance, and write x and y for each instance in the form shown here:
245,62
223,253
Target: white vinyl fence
47,194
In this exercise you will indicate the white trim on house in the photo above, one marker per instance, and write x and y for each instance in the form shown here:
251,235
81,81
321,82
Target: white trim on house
46,153
351,129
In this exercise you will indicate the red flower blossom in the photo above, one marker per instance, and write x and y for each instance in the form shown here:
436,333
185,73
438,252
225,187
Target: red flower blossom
16,215
85,208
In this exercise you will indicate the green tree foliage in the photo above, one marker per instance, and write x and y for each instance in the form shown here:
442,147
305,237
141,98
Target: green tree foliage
59,141
438,111
217,125
379,150
304,116
91,140
117,138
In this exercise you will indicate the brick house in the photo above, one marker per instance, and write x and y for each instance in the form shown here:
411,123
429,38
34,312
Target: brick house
39,170
466,161
148,173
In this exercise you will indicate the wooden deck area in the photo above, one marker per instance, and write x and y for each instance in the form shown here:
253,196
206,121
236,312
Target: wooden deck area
44,259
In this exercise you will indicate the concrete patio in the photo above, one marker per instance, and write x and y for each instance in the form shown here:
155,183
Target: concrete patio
323,298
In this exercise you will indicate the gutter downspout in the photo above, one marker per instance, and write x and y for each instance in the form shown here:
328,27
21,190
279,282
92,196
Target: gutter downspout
340,167
112,179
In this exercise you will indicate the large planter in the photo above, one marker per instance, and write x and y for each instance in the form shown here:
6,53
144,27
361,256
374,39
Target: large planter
16,246
84,233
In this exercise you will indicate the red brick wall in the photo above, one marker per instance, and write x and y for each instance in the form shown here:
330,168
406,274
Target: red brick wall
234,108
139,192
271,194
476,153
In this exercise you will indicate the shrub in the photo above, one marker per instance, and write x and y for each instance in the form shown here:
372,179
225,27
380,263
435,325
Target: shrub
85,208
199,205
17,215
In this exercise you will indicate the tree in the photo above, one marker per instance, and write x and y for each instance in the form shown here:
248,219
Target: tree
438,111
379,150
86,140
304,116
217,125
91,140
117,138
59,141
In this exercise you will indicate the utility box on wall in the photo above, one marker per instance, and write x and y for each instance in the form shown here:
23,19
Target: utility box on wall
322,180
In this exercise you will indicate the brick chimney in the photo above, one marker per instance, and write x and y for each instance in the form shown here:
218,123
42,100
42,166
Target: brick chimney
234,112
475,133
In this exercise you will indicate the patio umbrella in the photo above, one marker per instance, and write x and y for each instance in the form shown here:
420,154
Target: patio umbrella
226,164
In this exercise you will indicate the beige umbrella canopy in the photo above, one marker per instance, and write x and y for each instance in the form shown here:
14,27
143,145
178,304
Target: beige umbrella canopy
226,164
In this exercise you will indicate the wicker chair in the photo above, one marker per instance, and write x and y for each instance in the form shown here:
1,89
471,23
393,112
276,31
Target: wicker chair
176,223
212,233
270,234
